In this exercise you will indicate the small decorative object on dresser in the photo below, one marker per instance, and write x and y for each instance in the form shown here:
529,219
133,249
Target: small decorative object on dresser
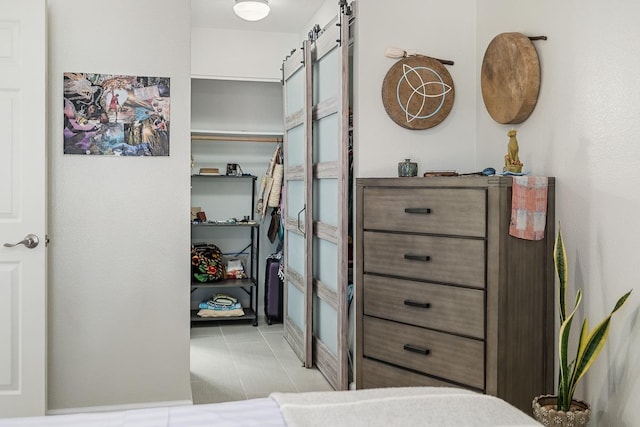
407,168
562,410
512,161
457,302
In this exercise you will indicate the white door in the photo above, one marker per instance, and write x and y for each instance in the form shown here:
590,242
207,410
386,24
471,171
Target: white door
23,311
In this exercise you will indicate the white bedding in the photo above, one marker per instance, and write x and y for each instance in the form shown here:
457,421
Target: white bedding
244,413
407,406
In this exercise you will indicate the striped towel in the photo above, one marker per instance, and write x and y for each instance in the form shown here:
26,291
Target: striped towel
528,207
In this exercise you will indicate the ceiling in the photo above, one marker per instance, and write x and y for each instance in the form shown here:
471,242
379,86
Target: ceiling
287,16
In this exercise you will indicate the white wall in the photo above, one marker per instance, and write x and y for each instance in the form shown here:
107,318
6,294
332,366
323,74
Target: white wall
325,14
585,131
443,30
119,227
531,20
239,55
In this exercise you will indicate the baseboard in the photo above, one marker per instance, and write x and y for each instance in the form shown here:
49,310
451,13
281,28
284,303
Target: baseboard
111,408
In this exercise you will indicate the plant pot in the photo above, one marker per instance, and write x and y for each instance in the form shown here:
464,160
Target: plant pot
544,411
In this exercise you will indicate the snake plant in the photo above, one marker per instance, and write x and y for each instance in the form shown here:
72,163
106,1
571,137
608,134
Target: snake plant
590,342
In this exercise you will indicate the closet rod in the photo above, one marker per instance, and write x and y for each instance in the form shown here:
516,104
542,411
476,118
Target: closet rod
235,138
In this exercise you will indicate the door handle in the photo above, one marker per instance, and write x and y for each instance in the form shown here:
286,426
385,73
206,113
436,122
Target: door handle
298,225
30,241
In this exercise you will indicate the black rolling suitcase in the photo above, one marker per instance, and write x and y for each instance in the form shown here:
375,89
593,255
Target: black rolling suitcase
272,291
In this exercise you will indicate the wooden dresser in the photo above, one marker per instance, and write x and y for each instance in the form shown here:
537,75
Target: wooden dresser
445,296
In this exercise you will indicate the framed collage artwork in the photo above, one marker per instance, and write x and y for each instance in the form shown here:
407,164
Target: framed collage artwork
116,115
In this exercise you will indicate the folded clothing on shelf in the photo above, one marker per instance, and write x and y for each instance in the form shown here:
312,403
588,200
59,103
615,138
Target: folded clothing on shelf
221,305
221,313
220,302
209,171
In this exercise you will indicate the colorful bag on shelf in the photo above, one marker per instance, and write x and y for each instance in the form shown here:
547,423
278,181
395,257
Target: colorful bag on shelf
206,263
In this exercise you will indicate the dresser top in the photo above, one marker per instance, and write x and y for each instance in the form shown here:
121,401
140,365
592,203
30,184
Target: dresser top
467,181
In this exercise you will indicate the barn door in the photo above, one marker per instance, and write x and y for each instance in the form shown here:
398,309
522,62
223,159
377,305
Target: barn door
316,85
330,192
297,206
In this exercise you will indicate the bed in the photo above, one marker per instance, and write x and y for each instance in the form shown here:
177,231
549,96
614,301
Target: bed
402,406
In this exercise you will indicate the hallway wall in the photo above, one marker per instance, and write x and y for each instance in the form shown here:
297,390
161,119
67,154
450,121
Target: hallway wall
119,227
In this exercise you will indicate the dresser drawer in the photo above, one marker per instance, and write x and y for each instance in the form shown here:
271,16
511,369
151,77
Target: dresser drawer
447,308
450,357
377,374
460,212
433,258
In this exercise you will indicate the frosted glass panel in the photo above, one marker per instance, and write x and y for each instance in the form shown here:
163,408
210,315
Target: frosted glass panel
326,139
295,92
295,146
295,200
295,306
325,201
325,262
325,324
326,77
295,253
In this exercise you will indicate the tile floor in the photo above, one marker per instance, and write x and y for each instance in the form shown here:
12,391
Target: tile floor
237,361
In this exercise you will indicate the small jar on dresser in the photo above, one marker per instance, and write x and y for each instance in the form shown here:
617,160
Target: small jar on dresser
445,296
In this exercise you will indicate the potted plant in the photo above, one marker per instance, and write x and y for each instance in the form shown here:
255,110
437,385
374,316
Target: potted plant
562,409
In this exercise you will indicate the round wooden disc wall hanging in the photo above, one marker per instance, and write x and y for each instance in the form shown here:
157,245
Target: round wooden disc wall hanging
418,92
510,78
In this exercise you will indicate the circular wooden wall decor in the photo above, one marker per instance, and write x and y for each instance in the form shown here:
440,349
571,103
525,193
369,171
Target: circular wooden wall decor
418,92
510,78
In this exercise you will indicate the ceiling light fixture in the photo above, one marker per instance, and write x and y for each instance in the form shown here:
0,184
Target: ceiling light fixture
252,10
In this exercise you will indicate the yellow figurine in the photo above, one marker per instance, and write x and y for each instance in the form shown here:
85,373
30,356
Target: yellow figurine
512,162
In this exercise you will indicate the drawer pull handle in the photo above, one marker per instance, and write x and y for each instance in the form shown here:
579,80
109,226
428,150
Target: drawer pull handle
417,303
424,258
416,349
423,211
